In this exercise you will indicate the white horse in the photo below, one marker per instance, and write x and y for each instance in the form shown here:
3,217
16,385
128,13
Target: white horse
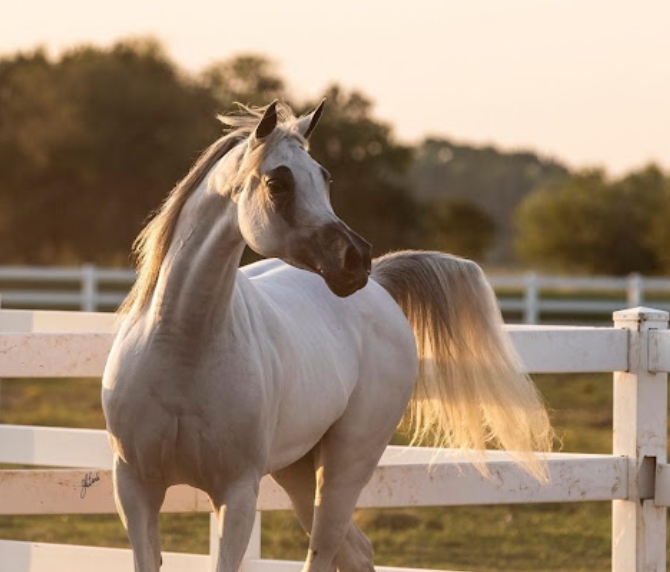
300,367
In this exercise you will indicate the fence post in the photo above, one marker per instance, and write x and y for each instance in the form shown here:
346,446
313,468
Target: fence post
88,288
634,293
640,426
531,299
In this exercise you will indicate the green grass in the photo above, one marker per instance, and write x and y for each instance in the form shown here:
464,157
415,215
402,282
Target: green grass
554,537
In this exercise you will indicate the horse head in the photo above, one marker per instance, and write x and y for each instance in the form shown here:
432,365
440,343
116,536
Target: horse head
283,204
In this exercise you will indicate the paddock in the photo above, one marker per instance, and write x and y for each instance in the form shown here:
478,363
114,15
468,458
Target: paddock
635,477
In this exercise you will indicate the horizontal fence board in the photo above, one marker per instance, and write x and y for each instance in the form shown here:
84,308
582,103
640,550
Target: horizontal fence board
568,349
54,446
662,485
115,275
54,321
43,557
446,481
508,281
591,283
511,305
78,491
659,284
659,351
543,349
89,448
266,565
581,306
109,299
588,478
89,287
45,299
54,354
41,273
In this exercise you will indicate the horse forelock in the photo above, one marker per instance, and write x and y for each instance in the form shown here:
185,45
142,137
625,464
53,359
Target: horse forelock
153,242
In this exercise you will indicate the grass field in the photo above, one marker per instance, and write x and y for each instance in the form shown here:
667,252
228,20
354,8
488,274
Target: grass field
565,537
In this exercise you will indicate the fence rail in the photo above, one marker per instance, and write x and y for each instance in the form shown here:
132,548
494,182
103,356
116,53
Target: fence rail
635,478
87,288
523,297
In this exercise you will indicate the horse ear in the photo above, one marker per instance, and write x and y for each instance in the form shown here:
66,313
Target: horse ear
307,123
268,122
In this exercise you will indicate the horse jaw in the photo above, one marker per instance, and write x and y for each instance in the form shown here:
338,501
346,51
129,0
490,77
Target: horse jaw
337,254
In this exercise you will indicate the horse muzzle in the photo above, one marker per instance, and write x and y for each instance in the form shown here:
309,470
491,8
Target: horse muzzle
339,255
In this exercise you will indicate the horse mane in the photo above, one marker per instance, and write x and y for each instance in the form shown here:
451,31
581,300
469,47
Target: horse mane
152,244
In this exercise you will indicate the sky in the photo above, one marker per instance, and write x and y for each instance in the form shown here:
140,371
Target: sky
586,82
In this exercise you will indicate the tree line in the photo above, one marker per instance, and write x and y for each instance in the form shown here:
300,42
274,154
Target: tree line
92,141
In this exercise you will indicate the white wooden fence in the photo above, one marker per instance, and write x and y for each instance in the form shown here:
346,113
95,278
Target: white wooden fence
524,297
635,477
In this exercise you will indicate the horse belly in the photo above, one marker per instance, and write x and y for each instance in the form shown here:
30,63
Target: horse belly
305,414
359,354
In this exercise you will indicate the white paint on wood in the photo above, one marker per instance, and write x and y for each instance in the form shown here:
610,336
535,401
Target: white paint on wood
597,477
638,349
640,436
555,349
17,556
54,355
662,485
20,556
542,349
54,446
266,565
659,351
451,482
24,321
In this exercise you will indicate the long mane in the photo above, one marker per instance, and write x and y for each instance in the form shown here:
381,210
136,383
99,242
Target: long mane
152,244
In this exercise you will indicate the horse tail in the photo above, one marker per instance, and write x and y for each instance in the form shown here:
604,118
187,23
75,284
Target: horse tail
470,392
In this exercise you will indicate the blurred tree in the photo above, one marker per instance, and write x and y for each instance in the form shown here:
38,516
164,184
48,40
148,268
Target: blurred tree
248,79
92,142
588,224
95,140
457,226
110,131
494,181
659,228
33,119
369,169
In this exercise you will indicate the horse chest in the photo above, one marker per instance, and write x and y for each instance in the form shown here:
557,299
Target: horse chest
183,420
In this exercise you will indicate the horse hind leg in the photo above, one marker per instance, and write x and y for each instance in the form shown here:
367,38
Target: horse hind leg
139,504
299,481
356,553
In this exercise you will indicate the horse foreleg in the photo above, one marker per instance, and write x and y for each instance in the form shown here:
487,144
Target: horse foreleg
299,481
138,504
235,509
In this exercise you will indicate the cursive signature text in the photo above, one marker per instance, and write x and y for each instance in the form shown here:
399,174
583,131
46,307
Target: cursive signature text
88,482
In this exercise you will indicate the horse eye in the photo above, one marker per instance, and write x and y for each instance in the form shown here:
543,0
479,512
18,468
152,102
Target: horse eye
278,186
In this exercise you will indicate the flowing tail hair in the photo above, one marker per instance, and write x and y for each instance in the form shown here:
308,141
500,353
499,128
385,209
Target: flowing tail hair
470,392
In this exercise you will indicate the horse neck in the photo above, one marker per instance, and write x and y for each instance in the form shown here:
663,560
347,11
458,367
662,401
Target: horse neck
196,282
